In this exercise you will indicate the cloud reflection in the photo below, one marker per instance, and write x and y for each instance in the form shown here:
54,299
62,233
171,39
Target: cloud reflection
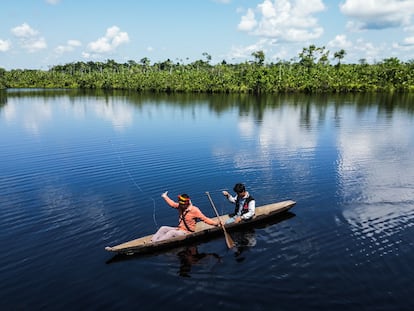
375,174
33,116
121,116
376,182
365,147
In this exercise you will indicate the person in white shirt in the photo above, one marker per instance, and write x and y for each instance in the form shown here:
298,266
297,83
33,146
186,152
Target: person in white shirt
245,204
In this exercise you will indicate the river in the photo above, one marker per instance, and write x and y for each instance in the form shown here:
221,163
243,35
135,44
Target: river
83,170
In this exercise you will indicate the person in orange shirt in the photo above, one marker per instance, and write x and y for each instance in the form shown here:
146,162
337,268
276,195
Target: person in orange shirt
187,218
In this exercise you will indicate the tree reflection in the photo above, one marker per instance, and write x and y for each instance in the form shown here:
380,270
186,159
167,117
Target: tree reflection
3,99
247,104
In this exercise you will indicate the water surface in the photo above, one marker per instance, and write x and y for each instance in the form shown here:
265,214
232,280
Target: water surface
80,171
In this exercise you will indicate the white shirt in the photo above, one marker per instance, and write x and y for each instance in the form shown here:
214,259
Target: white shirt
251,206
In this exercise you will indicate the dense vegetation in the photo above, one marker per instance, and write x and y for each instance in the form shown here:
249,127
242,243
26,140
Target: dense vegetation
311,72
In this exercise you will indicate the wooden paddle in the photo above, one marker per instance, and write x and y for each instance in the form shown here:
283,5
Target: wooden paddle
229,241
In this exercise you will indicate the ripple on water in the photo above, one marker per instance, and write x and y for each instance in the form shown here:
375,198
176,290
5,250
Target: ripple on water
377,229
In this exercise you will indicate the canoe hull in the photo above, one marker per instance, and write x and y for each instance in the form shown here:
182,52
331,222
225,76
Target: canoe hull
203,230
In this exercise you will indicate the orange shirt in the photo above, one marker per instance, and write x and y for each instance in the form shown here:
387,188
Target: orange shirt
191,214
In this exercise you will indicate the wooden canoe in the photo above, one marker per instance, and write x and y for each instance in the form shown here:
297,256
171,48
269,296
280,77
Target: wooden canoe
203,230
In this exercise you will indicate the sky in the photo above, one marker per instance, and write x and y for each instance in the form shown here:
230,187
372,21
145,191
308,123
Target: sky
39,34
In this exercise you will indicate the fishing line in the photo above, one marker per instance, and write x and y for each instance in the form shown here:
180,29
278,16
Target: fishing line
224,201
121,160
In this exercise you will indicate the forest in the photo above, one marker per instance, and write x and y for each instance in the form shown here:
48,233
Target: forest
310,72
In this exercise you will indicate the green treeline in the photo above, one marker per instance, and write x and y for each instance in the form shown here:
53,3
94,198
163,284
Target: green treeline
311,72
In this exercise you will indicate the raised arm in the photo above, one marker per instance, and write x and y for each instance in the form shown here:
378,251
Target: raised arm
169,201
229,197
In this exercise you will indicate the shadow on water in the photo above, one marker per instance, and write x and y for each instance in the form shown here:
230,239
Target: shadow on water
187,256
246,239
190,256
243,235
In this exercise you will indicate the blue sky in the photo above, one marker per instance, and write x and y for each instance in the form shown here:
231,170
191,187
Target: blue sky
38,34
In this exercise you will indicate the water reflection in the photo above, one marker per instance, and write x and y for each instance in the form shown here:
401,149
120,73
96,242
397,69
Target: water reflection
190,256
80,170
36,114
375,173
266,110
355,133
185,258
31,117
244,240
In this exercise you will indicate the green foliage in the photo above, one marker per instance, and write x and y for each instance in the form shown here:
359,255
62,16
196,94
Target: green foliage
312,73
2,78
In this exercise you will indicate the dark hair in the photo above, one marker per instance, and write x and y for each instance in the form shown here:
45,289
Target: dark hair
239,188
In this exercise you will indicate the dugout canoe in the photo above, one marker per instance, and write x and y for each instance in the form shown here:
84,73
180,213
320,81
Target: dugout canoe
202,230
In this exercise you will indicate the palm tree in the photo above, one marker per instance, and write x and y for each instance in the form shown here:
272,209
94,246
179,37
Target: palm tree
339,55
259,57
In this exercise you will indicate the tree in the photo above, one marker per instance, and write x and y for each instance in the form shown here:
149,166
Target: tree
339,55
2,79
363,61
259,57
145,62
311,54
207,56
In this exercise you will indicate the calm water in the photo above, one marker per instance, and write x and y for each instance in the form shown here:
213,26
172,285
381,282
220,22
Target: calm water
80,171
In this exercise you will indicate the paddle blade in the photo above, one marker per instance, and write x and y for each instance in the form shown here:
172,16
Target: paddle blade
229,241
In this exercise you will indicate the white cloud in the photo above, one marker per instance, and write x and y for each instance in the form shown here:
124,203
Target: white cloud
113,38
74,43
69,47
409,41
282,53
406,46
367,50
267,9
24,31
378,14
246,51
354,26
340,42
285,20
86,55
4,45
248,22
35,45
29,38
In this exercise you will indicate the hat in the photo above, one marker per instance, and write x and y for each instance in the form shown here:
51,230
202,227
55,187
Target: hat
184,199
